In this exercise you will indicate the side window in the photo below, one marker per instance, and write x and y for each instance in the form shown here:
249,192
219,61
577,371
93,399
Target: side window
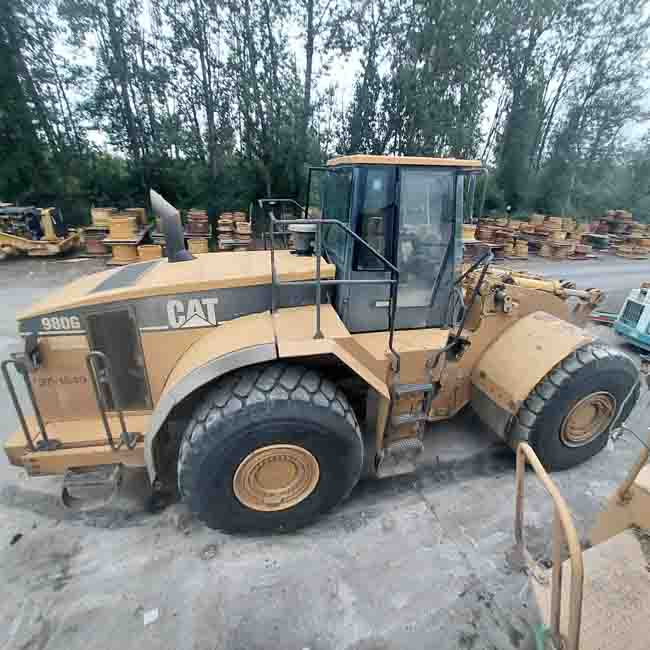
375,216
336,191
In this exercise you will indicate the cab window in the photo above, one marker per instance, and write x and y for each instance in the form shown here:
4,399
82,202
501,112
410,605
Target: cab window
377,206
336,189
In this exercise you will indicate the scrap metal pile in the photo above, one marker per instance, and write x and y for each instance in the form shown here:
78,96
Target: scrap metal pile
124,232
553,237
235,231
624,236
562,238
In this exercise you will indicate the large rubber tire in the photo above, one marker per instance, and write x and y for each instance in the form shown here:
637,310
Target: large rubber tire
592,368
260,406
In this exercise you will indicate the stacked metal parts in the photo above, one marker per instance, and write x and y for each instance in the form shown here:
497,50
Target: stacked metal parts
234,231
125,234
197,231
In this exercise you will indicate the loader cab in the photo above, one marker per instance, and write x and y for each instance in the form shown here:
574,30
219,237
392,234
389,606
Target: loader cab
408,209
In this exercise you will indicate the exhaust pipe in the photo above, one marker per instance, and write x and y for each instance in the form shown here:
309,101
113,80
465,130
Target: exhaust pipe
172,228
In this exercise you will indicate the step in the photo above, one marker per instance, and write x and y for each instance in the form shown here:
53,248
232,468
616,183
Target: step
616,597
90,488
408,389
408,418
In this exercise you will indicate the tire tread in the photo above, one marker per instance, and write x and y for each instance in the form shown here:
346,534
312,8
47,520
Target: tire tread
554,382
231,394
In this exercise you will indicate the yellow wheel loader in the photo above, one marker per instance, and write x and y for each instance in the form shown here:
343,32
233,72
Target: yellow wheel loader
262,386
597,598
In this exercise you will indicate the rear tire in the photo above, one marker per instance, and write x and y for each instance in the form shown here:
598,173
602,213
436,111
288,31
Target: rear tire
270,449
568,416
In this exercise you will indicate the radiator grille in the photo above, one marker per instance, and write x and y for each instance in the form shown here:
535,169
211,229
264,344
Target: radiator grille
632,313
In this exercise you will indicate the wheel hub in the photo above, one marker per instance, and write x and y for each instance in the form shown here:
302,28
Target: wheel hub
588,419
276,477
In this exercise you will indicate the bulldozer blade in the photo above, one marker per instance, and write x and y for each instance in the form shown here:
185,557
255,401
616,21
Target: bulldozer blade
90,488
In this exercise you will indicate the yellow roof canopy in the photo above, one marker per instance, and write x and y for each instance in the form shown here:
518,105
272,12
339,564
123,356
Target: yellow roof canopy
363,159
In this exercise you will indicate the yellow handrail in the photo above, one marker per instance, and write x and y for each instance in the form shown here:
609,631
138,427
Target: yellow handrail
562,528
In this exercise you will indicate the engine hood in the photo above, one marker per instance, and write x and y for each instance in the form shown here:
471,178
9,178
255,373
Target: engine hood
159,278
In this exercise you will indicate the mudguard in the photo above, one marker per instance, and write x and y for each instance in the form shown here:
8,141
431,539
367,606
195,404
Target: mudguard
233,344
517,361
254,339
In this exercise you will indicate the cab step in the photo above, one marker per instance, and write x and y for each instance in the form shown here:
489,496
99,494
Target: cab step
428,393
399,457
90,488
408,389
408,418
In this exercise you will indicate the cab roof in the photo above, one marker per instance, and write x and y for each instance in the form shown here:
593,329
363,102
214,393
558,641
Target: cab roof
363,159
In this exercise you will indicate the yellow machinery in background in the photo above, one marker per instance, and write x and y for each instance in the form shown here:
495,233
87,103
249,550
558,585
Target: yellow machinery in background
599,597
36,232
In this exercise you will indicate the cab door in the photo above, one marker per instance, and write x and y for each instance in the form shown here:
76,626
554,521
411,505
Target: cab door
409,215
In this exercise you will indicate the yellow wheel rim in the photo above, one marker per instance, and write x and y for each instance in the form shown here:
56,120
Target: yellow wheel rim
276,477
588,419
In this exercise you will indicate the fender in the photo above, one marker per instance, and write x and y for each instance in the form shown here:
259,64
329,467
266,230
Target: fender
517,361
247,341
234,344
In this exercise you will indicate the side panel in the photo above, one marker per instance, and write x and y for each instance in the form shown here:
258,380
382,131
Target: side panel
257,339
159,366
514,364
62,386
234,344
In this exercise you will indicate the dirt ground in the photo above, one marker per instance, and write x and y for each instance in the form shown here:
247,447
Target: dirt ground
410,562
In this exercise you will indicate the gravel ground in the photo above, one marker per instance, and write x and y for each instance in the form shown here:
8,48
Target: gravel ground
410,562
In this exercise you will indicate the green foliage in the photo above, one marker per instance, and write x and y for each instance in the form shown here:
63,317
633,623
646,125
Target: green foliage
216,104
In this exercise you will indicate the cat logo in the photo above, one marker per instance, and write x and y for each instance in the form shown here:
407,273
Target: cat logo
195,312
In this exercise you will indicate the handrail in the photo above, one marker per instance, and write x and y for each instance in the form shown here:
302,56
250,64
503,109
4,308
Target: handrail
623,489
126,438
269,212
261,203
318,282
45,443
562,527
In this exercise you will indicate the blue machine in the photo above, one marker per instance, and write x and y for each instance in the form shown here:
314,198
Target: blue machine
633,321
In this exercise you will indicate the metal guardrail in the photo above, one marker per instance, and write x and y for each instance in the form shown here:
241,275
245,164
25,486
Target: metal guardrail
268,206
105,376
563,530
44,443
318,282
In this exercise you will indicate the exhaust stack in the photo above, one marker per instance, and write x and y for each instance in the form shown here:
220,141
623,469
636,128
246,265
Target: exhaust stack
172,228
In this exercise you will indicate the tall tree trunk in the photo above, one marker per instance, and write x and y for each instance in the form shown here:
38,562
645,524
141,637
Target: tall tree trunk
120,77
309,63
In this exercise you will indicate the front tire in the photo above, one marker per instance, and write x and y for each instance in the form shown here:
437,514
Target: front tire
568,416
270,449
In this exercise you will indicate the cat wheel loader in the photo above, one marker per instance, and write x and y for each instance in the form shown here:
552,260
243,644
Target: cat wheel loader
261,386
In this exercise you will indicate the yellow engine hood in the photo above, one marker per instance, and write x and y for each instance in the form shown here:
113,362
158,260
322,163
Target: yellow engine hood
160,278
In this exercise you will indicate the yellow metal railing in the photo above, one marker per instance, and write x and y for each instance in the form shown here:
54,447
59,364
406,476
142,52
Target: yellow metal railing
563,531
